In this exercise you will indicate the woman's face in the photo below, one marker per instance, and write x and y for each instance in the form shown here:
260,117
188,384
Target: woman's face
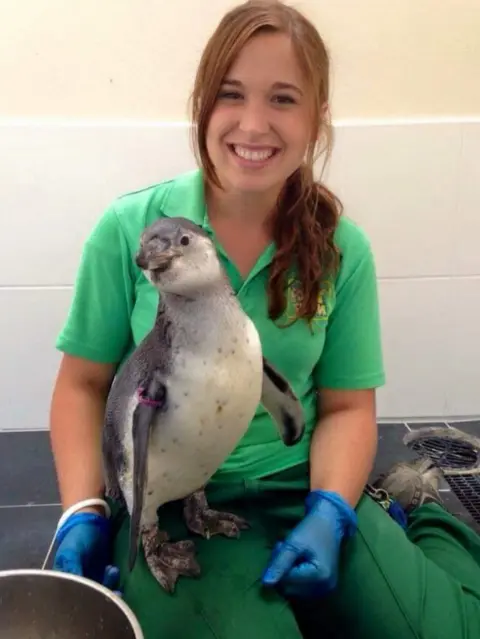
261,124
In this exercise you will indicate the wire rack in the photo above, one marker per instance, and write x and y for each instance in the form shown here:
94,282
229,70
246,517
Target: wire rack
459,459
446,453
467,490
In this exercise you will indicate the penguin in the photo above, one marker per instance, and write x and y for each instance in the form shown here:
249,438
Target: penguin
185,397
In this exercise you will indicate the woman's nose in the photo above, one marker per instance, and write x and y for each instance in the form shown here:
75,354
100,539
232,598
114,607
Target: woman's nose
254,118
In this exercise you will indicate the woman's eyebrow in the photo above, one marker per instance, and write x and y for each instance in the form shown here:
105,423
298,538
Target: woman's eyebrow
276,85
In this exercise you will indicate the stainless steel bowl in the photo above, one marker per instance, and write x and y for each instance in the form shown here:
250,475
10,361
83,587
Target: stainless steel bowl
45,604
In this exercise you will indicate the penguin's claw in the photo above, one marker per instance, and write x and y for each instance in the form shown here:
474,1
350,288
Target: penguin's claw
212,522
204,521
172,561
167,560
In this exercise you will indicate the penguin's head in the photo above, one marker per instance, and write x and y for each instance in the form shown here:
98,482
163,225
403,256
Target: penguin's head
178,257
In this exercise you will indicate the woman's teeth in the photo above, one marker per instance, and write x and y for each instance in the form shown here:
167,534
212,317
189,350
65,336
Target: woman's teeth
254,156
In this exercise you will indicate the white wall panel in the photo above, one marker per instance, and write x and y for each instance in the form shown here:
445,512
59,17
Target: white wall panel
30,319
400,182
464,225
414,186
56,180
417,336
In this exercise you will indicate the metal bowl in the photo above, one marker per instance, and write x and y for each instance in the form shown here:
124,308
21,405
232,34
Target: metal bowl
45,604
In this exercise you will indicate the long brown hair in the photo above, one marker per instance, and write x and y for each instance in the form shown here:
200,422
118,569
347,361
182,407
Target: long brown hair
307,213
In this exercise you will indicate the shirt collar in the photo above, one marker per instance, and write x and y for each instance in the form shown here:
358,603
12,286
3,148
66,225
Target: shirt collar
186,199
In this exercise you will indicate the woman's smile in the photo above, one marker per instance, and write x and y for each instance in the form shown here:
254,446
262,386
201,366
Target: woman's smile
253,157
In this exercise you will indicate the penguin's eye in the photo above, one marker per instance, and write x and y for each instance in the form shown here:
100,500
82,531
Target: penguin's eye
184,240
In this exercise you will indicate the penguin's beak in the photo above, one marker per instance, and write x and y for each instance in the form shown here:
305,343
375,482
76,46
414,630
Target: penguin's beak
155,260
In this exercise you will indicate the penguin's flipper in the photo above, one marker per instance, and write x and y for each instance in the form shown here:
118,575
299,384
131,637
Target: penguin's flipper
152,399
283,405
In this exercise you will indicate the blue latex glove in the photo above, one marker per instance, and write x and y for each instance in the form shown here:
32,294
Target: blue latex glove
305,564
83,548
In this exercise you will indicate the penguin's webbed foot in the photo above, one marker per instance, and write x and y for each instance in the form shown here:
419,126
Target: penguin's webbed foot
167,560
204,521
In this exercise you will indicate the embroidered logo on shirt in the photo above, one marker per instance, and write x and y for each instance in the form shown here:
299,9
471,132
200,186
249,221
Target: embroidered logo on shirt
295,296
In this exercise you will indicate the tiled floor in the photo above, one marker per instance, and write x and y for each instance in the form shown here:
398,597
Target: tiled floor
29,501
391,449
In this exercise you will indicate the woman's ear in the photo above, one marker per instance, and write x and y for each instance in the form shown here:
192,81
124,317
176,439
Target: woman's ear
324,120
325,110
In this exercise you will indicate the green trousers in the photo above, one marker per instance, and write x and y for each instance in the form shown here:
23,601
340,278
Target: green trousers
422,584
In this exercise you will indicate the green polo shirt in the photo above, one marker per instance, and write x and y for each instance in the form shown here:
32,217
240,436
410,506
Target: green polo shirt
114,306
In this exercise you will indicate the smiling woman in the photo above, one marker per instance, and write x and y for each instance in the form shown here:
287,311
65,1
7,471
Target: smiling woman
318,554
259,124
260,128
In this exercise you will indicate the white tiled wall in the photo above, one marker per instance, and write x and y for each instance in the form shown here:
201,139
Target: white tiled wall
414,186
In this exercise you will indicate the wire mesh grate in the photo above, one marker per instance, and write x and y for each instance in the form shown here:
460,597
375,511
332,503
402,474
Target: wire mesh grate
454,454
446,453
467,490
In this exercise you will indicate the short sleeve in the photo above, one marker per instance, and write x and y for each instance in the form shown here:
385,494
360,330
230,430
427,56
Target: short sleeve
352,357
97,326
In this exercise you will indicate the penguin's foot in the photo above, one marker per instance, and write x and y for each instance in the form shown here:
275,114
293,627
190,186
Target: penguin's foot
204,521
167,560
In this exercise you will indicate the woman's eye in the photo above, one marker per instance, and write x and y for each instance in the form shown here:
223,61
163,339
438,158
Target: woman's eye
229,95
284,99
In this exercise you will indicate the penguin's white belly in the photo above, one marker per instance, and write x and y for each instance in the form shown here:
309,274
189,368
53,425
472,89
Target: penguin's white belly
211,401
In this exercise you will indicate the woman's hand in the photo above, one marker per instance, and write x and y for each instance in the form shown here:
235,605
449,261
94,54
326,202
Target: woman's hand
306,564
77,414
84,549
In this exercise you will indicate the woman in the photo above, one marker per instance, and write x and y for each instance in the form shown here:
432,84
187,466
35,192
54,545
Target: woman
306,276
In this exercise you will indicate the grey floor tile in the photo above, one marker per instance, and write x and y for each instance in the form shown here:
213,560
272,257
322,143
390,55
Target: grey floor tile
390,447
472,428
25,535
26,469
